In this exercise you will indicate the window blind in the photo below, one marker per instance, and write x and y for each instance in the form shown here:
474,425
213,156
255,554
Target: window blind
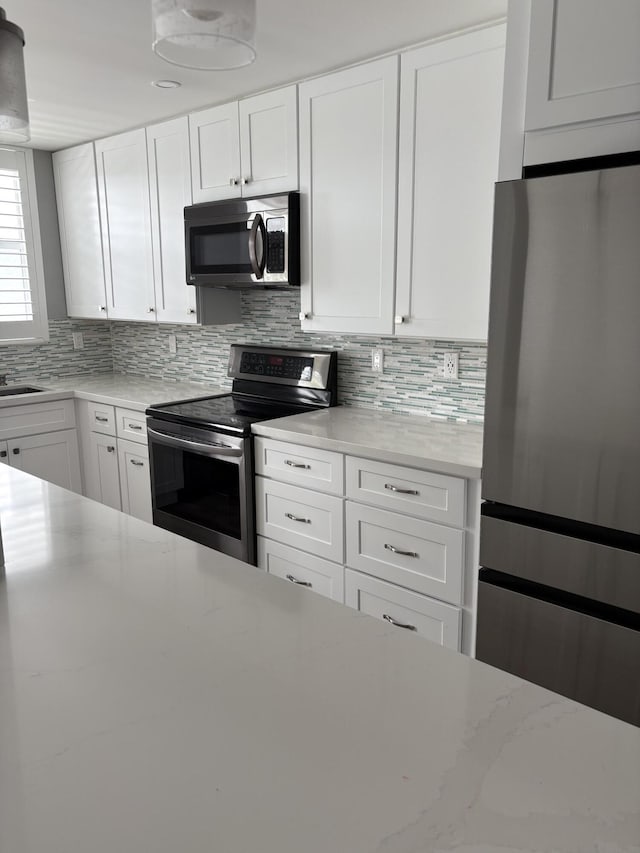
16,302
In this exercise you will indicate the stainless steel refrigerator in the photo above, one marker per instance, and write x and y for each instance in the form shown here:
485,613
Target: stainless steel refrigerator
559,591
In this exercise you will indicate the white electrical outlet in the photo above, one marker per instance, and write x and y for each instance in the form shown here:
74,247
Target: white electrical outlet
377,360
78,340
173,344
450,368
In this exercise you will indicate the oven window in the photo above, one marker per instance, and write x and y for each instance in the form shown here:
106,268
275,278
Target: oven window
221,248
197,489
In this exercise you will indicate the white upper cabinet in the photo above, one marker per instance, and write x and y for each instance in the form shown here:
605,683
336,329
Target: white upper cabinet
348,158
80,236
245,148
170,192
123,187
584,61
269,142
450,104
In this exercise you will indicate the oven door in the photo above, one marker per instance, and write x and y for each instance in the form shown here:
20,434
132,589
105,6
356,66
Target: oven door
225,251
202,486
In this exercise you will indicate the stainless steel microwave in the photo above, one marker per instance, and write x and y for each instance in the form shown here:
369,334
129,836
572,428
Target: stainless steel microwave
249,242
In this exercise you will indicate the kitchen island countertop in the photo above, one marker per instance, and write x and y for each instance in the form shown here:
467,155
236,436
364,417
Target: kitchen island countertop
156,695
442,446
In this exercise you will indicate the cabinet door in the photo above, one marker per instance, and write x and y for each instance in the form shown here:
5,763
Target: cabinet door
135,482
215,153
583,62
123,186
451,95
52,456
269,142
170,190
102,479
80,235
348,155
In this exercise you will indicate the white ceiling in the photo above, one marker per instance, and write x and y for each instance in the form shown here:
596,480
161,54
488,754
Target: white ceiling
90,64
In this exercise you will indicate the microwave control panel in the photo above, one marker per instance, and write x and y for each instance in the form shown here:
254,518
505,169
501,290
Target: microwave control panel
275,261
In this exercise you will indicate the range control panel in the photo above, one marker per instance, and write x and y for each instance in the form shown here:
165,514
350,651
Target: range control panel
282,366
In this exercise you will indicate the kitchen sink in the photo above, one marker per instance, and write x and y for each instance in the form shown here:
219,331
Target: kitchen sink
19,389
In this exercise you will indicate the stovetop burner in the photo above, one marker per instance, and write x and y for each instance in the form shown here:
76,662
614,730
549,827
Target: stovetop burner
229,412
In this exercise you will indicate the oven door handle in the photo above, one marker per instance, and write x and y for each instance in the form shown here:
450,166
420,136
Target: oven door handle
187,444
256,265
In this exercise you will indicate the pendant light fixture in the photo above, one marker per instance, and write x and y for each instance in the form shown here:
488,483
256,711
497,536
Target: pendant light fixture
14,111
210,35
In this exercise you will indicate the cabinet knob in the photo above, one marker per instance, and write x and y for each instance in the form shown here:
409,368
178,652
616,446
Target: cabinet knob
303,316
3,454
110,449
191,311
233,182
150,310
245,181
102,307
15,451
399,320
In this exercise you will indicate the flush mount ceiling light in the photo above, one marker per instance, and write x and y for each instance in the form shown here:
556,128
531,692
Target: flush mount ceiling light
14,112
210,35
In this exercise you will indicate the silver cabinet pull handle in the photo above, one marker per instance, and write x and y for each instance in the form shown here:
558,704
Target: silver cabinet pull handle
110,449
399,624
233,182
3,453
135,426
398,551
191,311
102,307
16,451
400,491
297,518
101,419
136,463
299,583
297,464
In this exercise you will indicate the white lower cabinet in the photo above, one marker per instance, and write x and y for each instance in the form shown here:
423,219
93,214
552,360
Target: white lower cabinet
302,569
395,548
404,608
135,482
102,477
41,439
115,457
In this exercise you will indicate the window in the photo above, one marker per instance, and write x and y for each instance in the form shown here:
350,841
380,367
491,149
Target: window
23,316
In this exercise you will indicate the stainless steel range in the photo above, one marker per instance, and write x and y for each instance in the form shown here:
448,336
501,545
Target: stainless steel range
201,451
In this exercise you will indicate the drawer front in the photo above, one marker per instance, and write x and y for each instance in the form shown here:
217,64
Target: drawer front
302,569
102,418
407,610
131,425
303,466
435,497
16,421
301,518
416,554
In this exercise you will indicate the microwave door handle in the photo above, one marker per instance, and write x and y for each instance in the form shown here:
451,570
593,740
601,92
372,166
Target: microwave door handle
257,266
188,444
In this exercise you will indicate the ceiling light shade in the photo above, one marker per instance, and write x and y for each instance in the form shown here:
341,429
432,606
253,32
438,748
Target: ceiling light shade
14,112
211,35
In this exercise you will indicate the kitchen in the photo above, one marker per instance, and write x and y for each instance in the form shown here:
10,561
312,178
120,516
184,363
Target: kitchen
411,382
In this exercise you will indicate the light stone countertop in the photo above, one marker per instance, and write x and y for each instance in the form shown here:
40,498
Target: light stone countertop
448,448
116,389
159,696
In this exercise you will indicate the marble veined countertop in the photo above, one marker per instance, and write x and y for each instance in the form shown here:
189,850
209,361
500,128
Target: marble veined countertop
448,448
116,389
156,695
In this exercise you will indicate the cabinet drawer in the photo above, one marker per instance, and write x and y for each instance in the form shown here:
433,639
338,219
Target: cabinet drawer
35,418
424,494
434,620
416,554
101,418
302,466
131,425
304,569
307,520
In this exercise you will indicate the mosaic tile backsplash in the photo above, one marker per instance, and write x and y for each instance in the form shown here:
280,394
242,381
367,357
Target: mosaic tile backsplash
58,357
412,381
